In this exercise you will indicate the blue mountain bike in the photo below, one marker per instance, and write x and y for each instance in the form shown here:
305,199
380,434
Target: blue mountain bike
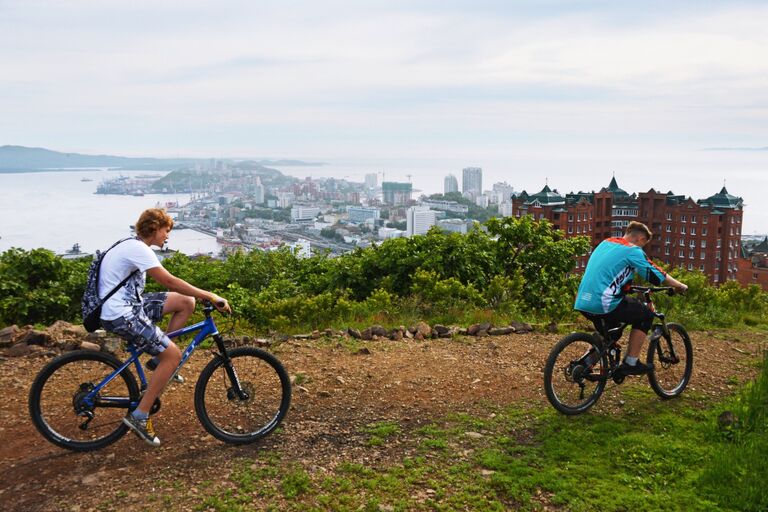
79,399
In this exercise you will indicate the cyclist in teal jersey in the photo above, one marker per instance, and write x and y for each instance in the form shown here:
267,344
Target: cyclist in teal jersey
609,272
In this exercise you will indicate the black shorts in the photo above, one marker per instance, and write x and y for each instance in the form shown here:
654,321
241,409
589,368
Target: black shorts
630,311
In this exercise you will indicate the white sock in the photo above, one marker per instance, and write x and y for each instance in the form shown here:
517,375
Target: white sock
631,361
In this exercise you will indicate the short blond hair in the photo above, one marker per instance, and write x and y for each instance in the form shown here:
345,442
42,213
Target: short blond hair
151,220
639,228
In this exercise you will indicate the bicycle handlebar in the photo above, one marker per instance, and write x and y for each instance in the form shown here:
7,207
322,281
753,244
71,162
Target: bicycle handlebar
652,289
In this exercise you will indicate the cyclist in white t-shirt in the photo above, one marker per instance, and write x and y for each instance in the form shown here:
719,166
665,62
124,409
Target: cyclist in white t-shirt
132,314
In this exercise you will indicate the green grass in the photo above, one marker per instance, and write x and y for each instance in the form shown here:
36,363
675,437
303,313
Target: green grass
651,455
380,432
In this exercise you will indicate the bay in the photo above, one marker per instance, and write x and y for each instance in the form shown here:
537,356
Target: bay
56,209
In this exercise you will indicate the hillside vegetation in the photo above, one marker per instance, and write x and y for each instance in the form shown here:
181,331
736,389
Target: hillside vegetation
505,269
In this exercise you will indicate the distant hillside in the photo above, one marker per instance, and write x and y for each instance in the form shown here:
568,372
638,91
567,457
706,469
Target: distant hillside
20,159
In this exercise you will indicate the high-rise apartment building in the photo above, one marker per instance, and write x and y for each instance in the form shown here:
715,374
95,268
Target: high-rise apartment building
450,184
258,192
419,219
396,193
371,181
502,192
472,181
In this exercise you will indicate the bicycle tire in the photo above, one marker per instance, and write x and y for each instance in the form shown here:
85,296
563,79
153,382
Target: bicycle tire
231,419
665,383
53,398
557,399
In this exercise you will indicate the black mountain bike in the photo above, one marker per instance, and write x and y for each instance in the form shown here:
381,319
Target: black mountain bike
581,364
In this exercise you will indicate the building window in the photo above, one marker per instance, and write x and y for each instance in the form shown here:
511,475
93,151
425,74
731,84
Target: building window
693,219
682,242
704,231
668,239
717,255
693,231
719,243
681,253
682,218
703,255
692,244
669,216
570,229
704,219
682,229
717,278
703,244
690,266
666,251
701,267
570,217
691,255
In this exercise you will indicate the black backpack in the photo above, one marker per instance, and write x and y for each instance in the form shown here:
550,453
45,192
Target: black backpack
91,303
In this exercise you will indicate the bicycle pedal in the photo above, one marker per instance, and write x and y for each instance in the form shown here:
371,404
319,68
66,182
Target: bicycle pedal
178,379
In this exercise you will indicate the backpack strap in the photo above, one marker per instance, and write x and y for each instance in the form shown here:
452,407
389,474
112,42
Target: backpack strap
98,272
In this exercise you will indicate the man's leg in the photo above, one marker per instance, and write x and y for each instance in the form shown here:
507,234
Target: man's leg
636,339
180,307
168,360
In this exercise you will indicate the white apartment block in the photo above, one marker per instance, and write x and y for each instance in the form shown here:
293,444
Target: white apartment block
419,219
304,213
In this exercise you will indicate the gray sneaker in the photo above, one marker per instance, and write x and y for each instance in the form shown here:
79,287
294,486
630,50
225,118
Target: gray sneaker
143,429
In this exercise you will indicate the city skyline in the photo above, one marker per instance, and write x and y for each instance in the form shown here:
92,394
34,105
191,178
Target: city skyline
663,94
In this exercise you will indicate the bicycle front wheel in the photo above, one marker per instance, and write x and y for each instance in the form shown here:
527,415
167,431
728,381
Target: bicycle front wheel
574,375
237,419
57,400
672,359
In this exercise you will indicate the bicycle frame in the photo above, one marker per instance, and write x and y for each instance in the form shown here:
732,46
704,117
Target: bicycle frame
613,351
207,328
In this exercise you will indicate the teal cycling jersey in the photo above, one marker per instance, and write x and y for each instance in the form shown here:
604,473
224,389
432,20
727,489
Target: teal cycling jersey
613,264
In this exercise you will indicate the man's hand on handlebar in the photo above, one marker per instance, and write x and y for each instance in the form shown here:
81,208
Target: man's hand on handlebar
681,289
220,303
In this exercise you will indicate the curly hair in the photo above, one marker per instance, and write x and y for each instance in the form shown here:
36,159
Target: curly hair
151,220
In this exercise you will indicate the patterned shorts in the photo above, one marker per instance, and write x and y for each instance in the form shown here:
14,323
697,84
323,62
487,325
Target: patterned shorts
139,328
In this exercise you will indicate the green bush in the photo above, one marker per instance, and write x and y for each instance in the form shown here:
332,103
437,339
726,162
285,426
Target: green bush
508,267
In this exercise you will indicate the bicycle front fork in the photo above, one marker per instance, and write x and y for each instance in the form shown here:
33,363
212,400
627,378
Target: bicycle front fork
237,389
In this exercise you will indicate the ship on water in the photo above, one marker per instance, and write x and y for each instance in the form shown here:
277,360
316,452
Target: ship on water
123,185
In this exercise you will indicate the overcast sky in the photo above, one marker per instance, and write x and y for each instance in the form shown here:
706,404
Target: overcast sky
572,91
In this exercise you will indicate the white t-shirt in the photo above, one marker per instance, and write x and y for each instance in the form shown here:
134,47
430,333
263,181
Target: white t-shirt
117,264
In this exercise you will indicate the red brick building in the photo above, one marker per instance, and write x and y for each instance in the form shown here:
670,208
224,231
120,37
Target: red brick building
700,235
753,265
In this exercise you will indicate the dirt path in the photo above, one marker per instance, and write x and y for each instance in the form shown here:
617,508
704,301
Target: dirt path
412,383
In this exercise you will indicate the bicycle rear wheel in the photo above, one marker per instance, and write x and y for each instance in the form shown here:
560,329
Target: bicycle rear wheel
672,359
571,383
240,420
57,407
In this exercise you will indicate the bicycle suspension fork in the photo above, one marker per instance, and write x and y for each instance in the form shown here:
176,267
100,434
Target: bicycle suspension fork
236,388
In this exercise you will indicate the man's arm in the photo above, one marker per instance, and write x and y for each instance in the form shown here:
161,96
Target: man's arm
653,273
674,283
175,284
